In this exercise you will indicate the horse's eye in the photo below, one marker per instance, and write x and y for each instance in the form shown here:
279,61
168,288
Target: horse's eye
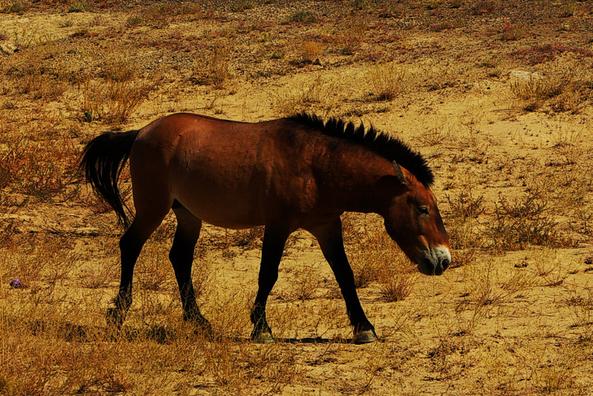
423,209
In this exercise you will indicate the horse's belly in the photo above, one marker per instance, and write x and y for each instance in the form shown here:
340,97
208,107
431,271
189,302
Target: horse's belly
232,208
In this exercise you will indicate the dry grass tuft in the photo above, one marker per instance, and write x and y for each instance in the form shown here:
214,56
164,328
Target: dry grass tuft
311,51
306,283
32,168
112,101
522,221
395,285
565,85
212,67
388,81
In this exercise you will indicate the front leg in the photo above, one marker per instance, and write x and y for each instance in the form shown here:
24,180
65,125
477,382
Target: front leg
329,236
273,246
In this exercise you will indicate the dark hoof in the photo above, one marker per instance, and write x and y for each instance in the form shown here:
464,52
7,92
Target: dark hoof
114,317
202,327
263,337
365,337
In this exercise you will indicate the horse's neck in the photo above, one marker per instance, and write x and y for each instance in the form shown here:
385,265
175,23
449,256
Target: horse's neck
353,181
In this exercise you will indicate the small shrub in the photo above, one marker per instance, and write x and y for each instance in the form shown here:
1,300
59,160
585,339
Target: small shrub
305,284
111,101
387,81
465,205
214,68
78,6
154,273
350,34
39,170
302,17
511,32
537,89
521,222
16,7
483,7
396,286
548,52
119,69
310,51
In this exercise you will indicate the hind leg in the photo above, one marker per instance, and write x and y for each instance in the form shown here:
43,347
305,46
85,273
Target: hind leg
181,256
130,245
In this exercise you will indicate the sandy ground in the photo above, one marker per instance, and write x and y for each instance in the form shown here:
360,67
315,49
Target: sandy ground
512,158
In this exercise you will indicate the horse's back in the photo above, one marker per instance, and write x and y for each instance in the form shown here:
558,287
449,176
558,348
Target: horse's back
228,173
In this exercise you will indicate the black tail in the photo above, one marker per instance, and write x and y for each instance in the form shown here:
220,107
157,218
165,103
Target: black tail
102,161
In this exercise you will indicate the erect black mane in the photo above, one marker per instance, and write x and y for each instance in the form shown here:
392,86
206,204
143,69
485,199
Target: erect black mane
379,142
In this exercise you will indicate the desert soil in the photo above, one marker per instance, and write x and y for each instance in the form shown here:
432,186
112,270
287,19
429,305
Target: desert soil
497,96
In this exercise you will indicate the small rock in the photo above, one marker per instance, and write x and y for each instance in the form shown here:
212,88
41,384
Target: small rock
16,284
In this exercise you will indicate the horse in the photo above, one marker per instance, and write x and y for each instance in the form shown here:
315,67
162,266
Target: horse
298,172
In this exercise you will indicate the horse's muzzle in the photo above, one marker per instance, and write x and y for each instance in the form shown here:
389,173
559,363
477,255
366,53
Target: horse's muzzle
435,261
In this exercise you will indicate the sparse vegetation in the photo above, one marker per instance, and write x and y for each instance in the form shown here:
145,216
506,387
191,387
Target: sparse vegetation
523,221
453,78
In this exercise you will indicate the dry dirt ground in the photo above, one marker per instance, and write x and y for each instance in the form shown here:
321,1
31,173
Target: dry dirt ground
496,94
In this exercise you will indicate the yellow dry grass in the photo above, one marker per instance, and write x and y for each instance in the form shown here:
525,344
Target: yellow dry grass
513,315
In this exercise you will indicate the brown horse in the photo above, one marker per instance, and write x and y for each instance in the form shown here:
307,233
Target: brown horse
289,173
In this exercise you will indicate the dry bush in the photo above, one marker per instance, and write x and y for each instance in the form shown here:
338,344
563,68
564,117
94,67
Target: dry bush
302,16
153,268
387,81
565,85
40,266
306,283
484,7
581,306
229,313
463,226
213,67
34,80
548,52
38,169
349,34
111,101
310,51
375,258
537,89
369,256
466,205
247,239
549,266
15,6
156,16
41,87
316,96
396,285
100,275
518,281
119,68
511,31
521,222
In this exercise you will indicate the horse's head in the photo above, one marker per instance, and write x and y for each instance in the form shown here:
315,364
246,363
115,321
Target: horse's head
413,221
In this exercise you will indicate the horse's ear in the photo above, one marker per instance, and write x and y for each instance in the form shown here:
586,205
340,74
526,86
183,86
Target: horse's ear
399,174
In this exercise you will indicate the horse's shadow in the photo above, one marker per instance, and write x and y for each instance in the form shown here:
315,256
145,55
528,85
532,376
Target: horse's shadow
73,332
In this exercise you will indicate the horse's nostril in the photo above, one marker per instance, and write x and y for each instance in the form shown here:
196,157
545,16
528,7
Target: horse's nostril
445,263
